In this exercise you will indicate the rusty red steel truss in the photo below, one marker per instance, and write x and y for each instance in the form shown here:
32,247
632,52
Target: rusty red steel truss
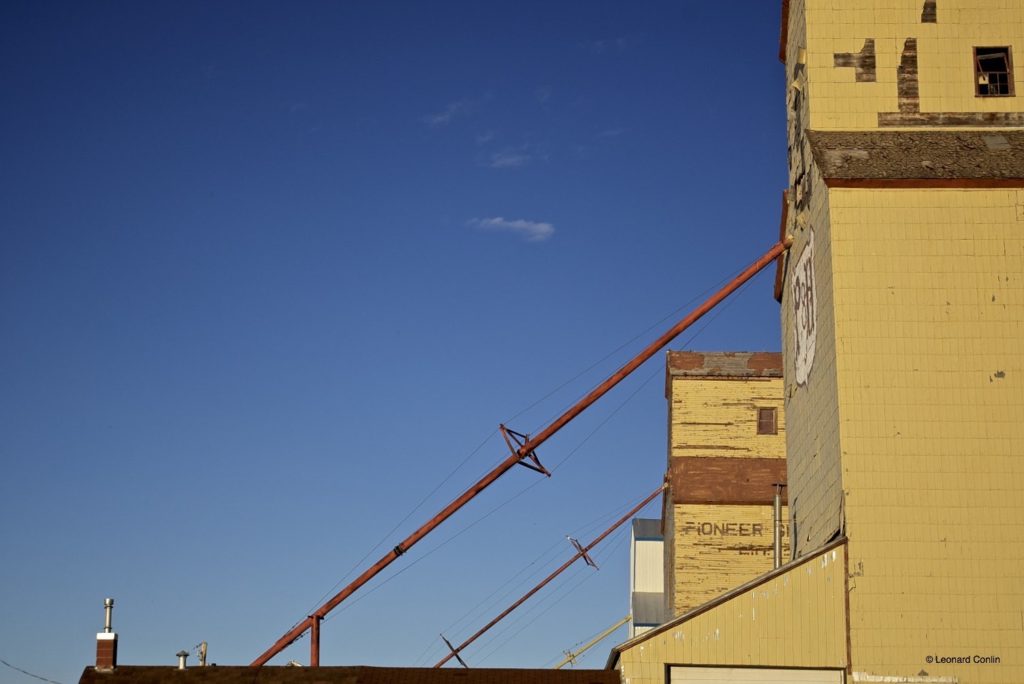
523,449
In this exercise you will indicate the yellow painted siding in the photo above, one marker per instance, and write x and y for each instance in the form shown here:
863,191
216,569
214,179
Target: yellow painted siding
945,56
718,548
668,517
718,417
929,305
796,619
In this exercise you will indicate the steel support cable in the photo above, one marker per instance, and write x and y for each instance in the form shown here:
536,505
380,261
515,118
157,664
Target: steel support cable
579,643
501,636
598,427
507,587
581,553
595,364
540,562
401,522
615,351
450,539
688,341
618,537
27,673
617,543
433,550
494,432
554,468
657,371
540,567
526,449
621,533
716,286
580,575
571,453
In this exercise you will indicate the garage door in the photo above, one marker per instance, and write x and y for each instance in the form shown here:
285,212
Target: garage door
752,675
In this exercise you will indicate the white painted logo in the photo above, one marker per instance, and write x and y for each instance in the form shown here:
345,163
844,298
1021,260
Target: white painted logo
805,312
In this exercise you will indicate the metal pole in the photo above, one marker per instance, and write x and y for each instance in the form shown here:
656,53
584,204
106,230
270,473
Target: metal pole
777,531
570,656
525,450
314,642
579,554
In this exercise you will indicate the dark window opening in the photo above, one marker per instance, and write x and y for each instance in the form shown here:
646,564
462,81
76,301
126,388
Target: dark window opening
993,72
766,421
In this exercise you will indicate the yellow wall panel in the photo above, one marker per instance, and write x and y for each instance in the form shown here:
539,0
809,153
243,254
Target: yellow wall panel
794,619
718,417
944,55
929,305
718,548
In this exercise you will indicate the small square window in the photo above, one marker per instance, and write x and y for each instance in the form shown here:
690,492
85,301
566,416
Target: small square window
767,423
993,72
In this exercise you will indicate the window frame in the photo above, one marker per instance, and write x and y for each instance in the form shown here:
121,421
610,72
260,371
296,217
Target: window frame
978,71
774,412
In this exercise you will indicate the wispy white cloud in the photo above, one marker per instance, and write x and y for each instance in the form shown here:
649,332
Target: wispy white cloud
532,231
510,159
516,156
618,44
611,133
448,114
485,137
543,94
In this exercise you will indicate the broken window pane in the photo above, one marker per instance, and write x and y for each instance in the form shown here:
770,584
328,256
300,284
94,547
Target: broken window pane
993,71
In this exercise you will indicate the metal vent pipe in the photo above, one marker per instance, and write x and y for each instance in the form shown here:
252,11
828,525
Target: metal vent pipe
108,609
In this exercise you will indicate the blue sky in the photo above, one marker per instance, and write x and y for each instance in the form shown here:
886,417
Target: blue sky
271,271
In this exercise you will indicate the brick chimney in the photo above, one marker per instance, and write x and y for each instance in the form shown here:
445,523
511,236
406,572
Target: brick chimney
106,641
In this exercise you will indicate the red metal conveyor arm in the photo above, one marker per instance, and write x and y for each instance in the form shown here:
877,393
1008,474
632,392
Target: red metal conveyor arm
525,450
540,585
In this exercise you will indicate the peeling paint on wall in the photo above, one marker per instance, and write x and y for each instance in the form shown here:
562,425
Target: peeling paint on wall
863,62
929,13
906,78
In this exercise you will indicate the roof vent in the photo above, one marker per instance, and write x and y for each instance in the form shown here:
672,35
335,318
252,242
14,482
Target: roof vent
182,656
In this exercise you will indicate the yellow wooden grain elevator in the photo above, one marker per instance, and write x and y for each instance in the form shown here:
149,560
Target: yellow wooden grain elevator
727,451
902,305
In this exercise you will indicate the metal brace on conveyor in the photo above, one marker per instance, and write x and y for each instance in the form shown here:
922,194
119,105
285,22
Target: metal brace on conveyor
582,552
515,441
454,652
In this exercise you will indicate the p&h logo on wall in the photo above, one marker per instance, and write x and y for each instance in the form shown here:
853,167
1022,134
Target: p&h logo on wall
805,312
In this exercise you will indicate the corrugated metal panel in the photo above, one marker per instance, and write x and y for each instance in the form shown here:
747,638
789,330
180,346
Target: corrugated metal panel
648,608
647,529
649,570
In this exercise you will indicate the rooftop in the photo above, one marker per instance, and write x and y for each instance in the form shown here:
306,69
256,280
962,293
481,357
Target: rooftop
725,364
343,675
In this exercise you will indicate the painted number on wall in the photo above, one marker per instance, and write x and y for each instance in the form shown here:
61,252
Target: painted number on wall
805,312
